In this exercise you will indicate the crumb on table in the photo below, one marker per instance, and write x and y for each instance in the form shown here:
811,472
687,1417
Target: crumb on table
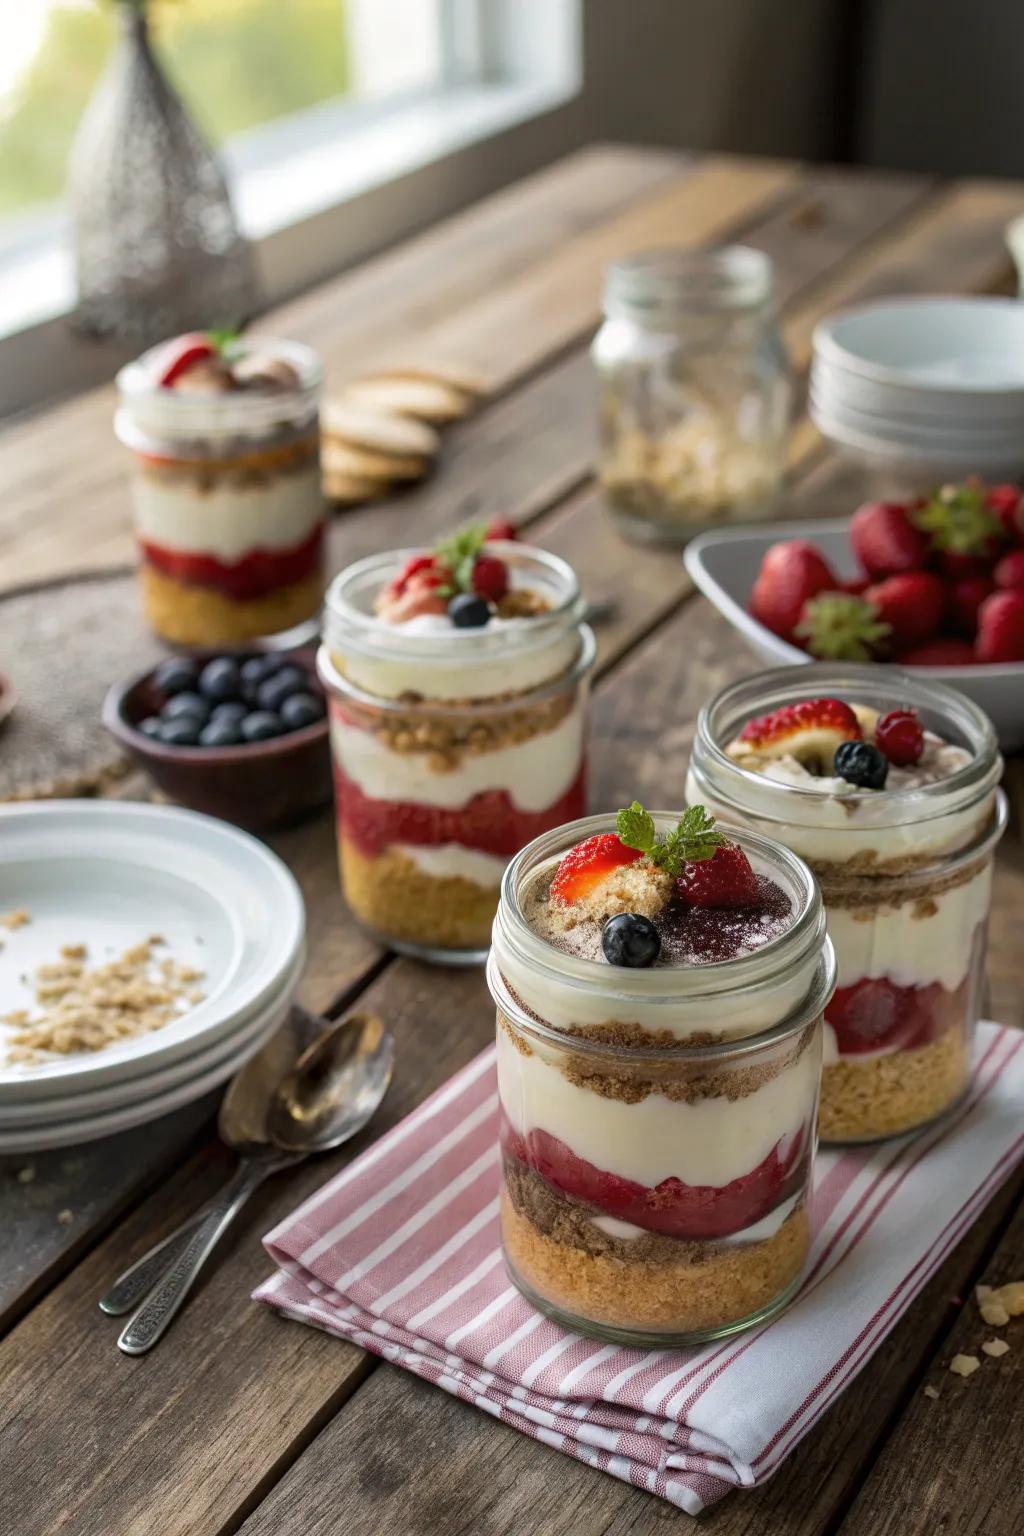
16,919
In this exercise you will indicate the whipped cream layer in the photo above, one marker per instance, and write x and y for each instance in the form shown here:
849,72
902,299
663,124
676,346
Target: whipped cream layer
452,861
227,521
705,1142
925,940
506,656
535,773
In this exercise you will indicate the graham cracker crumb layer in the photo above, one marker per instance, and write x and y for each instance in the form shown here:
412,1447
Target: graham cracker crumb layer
399,900
878,893
706,1287
201,616
862,1100
445,736
240,471
681,1080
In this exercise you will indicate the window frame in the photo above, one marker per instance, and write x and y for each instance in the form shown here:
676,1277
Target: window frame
509,101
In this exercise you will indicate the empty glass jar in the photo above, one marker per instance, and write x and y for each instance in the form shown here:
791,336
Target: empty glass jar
694,392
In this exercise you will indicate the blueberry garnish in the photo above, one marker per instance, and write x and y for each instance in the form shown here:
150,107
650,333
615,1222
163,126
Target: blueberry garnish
190,706
261,725
182,732
176,675
220,679
221,733
860,763
150,726
630,939
468,611
301,709
271,694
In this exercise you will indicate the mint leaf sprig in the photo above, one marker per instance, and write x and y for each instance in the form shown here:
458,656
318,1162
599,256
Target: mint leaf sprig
695,839
458,554
227,342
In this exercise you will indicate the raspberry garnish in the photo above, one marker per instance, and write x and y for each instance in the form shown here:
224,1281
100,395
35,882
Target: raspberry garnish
490,578
725,880
900,736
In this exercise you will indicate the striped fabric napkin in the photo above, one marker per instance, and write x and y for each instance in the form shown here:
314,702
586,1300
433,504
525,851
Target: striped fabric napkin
400,1253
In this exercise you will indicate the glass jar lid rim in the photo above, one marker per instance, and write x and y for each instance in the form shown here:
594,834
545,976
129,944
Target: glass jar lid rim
669,278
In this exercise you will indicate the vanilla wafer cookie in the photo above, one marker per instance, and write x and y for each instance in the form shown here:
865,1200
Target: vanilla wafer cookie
338,458
426,399
377,430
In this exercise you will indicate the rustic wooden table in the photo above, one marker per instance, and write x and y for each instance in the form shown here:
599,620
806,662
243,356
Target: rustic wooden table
240,1421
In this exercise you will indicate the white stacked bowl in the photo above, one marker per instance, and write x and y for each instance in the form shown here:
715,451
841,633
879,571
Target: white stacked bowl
929,385
109,875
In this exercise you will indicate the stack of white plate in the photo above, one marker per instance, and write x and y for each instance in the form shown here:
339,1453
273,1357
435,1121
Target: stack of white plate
109,875
932,383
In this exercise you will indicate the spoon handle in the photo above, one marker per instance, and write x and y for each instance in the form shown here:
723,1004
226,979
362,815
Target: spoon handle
155,1314
136,1282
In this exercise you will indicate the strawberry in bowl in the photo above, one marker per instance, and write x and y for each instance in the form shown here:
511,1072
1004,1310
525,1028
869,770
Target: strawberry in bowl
936,584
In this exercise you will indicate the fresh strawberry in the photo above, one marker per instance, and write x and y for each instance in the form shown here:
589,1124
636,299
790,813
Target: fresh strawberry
194,347
791,572
937,653
836,626
419,595
725,880
885,540
965,598
1005,502
1009,571
912,605
1001,628
501,528
900,736
490,578
586,865
961,528
955,566
810,731
856,586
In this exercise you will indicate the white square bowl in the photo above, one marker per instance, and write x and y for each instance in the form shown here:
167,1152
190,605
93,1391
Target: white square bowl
724,565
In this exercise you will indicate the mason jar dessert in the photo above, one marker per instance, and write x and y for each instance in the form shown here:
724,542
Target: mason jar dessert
229,514
694,389
457,684
659,987
887,786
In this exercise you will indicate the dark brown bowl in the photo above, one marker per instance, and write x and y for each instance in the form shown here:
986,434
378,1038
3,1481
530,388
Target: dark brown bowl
260,785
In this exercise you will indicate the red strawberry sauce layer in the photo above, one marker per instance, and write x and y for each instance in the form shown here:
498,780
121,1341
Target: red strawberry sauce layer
489,822
875,1014
257,573
689,1212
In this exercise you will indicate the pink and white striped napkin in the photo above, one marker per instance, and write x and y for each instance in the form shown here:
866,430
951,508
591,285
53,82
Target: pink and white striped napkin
400,1253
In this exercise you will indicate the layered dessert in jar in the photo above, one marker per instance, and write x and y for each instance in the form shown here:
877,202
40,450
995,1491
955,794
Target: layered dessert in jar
457,683
659,985
887,786
229,513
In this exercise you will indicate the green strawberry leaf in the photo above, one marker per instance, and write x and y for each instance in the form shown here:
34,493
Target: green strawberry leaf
838,626
957,518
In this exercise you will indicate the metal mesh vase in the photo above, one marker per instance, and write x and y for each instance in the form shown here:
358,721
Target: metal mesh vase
157,248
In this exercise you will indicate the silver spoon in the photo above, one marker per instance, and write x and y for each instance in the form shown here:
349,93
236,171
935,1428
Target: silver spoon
311,1088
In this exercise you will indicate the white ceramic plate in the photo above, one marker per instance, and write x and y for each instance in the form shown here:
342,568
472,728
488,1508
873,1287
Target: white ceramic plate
94,1101
108,874
71,1132
954,345
724,565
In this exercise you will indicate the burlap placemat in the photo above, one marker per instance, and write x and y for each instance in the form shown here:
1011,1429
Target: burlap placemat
62,644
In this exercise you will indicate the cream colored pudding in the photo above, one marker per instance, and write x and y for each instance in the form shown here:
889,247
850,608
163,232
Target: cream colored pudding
894,804
457,680
641,1138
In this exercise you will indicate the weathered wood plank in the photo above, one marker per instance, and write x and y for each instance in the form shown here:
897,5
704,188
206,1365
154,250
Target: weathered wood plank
956,1464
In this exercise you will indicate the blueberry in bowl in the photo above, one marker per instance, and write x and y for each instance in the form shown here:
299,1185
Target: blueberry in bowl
241,735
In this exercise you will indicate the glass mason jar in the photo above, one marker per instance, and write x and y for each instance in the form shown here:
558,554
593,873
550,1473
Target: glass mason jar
658,1125
906,878
229,513
694,389
451,750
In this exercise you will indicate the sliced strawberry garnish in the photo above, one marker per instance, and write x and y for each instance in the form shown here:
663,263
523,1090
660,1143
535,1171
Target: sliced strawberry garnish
726,879
784,725
420,595
184,351
900,736
583,868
